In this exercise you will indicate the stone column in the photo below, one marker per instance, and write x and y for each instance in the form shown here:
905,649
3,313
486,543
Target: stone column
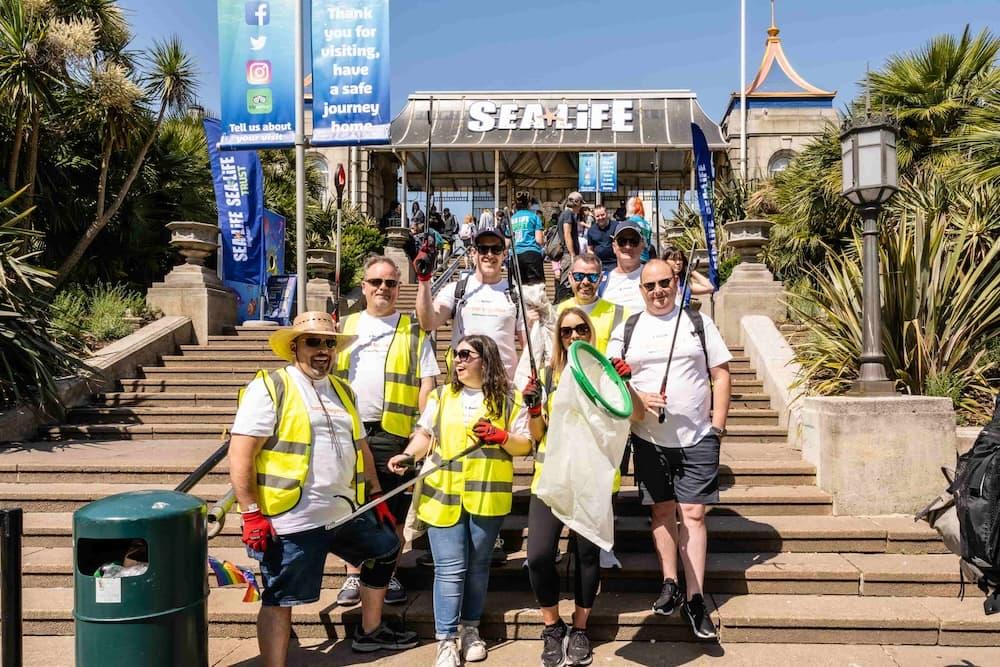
395,240
321,293
751,289
192,290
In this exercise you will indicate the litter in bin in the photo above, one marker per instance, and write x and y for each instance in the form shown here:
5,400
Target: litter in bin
228,574
135,562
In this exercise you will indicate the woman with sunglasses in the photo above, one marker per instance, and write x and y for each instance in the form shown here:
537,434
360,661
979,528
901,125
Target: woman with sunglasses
544,529
700,285
464,503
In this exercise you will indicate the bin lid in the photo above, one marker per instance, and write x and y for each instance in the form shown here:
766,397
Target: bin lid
149,505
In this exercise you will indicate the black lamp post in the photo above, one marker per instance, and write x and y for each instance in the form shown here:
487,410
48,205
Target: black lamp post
868,150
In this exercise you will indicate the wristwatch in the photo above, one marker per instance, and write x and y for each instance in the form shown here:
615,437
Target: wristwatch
718,432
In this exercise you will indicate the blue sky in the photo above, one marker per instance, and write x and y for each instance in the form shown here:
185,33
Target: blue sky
597,44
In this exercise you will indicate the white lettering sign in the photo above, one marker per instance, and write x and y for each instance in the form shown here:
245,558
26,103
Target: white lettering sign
486,115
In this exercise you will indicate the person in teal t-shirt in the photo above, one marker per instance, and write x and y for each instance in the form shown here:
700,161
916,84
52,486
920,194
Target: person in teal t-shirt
637,214
527,237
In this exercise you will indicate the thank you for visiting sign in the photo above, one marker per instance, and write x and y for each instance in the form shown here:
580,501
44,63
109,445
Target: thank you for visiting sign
587,178
608,172
350,44
598,172
257,73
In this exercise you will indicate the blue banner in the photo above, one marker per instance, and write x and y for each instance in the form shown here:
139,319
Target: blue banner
608,168
274,244
587,178
239,195
705,180
257,73
350,45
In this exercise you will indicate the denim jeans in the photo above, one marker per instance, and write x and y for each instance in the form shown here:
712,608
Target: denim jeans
461,571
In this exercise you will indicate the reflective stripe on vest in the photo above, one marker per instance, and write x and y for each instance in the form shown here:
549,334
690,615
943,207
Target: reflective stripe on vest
539,454
401,396
481,483
605,316
282,464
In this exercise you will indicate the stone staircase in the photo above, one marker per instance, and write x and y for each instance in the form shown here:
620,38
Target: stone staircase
782,568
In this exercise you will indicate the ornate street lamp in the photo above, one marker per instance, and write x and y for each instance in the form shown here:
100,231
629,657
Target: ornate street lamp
868,150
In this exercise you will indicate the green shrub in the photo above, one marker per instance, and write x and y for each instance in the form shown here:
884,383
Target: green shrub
946,385
108,307
69,310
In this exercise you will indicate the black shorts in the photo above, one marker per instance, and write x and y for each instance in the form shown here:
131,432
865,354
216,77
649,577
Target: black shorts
384,446
531,267
686,474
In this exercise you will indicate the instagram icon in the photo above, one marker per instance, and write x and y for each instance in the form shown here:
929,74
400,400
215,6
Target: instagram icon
258,72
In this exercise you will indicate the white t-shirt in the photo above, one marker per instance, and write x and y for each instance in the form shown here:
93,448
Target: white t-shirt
488,311
368,359
472,401
623,289
331,468
689,396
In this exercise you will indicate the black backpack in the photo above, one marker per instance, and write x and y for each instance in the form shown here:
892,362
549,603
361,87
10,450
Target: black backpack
977,499
696,321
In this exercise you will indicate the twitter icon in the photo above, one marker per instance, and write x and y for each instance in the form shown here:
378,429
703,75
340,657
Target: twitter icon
257,43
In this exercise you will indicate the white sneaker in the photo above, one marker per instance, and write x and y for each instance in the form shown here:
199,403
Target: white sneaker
447,654
473,647
609,561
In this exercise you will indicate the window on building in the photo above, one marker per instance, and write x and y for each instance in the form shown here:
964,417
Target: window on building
321,166
779,162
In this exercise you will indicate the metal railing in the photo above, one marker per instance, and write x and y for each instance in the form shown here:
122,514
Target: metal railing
11,608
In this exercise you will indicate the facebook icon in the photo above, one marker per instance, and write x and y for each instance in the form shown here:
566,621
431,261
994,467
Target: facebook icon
258,13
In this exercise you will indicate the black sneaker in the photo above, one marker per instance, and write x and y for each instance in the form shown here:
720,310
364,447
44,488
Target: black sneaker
350,592
554,645
383,637
395,593
578,648
670,597
499,556
698,618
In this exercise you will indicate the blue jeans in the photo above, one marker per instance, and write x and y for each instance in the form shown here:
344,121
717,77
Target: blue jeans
461,571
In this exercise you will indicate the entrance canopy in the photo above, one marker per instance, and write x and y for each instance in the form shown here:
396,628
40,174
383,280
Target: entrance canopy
537,135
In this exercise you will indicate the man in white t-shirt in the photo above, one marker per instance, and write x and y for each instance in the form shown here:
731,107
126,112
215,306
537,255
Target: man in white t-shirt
392,368
677,461
621,284
482,303
298,462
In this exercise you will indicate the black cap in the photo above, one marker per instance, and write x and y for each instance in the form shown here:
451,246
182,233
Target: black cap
627,225
490,231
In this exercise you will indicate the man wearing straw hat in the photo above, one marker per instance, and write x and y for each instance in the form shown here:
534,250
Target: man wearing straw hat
298,461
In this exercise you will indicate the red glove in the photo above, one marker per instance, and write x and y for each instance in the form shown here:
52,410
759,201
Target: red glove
622,368
257,529
383,514
423,263
532,395
490,434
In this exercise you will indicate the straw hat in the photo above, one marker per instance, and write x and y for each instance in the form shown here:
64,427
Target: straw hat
311,323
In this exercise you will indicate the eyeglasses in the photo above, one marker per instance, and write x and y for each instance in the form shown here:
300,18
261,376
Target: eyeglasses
465,356
663,282
490,250
581,330
378,282
316,342
580,276
627,241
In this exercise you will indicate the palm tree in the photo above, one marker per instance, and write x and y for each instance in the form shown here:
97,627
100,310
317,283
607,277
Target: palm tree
979,141
172,82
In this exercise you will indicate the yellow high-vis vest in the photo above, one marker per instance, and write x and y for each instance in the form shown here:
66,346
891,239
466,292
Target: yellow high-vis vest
605,316
482,482
550,382
282,464
401,403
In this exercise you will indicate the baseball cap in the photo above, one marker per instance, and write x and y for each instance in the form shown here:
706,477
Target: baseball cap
491,231
627,225
574,197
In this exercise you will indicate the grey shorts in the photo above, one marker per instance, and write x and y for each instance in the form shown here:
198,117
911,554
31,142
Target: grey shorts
685,474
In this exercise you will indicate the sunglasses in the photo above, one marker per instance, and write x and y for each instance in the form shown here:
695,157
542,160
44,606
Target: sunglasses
628,241
490,250
581,330
580,276
663,282
316,342
465,356
377,282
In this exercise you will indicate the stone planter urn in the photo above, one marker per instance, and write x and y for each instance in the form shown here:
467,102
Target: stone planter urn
672,232
195,240
748,238
320,263
395,237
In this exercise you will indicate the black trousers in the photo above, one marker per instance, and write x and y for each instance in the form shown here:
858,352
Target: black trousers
543,542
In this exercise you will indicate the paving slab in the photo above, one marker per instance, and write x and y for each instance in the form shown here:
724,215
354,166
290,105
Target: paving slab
907,574
905,535
944,656
963,622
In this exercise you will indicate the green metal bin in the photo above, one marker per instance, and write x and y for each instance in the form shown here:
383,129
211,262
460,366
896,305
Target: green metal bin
156,615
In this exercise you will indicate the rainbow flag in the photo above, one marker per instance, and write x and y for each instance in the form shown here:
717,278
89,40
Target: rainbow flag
227,574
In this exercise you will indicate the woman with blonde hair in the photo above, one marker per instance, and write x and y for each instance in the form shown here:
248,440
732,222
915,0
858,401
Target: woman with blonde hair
636,210
465,233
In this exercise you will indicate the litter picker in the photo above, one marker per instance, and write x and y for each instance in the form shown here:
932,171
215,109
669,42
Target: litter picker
514,270
677,326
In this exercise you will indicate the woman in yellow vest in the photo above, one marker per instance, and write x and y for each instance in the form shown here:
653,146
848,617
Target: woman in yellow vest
544,529
464,503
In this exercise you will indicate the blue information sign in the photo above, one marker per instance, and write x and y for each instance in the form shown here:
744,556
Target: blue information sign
257,73
587,180
608,167
350,44
280,298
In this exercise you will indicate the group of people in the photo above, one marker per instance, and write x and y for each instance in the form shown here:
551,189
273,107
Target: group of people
360,407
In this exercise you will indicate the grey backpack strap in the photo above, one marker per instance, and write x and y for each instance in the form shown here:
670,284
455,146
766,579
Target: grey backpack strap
629,329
